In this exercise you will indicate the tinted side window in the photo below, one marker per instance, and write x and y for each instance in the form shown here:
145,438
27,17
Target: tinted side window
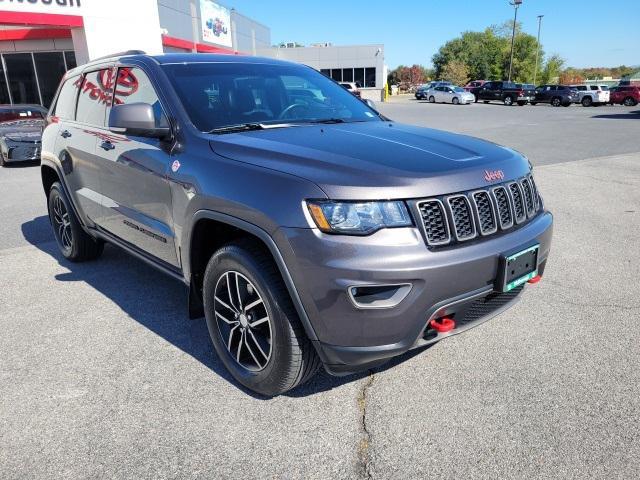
66,103
134,86
95,95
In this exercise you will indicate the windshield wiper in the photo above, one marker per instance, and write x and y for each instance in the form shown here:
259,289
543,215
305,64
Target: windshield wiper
245,127
241,127
330,120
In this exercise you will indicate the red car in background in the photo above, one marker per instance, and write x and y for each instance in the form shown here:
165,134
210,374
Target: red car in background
474,84
628,95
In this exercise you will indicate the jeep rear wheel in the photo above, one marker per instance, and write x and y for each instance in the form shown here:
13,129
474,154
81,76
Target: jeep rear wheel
74,243
252,323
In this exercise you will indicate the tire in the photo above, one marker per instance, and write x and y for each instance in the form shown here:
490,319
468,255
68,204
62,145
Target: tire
455,101
587,101
432,99
556,101
237,275
534,103
522,103
629,102
508,101
486,101
74,243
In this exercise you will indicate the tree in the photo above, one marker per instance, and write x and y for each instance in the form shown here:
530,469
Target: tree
414,75
552,69
570,76
486,54
455,72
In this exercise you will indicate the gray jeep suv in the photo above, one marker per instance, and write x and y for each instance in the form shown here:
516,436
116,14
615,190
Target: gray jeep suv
309,229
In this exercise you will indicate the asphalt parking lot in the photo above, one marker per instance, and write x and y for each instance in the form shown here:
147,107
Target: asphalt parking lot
103,375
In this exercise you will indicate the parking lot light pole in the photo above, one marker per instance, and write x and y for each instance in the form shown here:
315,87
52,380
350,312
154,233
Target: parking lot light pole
516,4
535,72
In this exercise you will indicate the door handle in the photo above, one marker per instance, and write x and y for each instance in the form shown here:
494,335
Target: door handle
107,145
65,134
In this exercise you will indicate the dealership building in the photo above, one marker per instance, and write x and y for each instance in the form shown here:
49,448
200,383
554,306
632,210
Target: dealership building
41,39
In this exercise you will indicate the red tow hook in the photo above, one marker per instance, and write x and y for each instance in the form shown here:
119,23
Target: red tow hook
442,325
535,279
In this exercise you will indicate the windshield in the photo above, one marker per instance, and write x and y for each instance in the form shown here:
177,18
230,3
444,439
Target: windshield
458,89
218,95
13,114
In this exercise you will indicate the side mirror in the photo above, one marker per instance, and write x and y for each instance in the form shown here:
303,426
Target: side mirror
136,119
371,103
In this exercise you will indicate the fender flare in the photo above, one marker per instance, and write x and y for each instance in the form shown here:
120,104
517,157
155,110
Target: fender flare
273,249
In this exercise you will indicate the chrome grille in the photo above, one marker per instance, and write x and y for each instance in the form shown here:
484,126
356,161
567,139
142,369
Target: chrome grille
434,220
485,214
518,202
505,213
463,216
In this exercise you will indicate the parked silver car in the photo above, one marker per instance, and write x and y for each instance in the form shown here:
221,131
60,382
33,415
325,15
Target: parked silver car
20,132
450,94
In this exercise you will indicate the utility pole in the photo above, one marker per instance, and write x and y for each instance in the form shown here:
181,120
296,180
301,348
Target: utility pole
516,4
535,72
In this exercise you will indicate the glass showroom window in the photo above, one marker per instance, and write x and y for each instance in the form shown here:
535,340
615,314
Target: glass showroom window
70,60
4,92
370,77
22,78
347,74
336,74
326,72
33,77
50,68
358,76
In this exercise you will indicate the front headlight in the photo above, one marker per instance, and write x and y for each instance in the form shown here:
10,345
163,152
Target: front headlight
358,218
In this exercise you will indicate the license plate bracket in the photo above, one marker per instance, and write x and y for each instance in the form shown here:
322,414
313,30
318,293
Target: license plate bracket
517,268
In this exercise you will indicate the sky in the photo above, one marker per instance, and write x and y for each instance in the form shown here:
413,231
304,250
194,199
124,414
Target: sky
585,33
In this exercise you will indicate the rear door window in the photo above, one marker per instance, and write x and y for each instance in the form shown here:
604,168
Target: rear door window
65,107
95,95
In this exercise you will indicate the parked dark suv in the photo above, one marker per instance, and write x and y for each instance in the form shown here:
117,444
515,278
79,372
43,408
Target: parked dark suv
309,229
556,95
508,93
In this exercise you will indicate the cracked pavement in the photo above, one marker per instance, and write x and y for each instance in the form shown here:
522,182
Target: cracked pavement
103,375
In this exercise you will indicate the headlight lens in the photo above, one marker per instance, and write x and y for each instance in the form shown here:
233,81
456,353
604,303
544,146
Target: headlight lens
358,218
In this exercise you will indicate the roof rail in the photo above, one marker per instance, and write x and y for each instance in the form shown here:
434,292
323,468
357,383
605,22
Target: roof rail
121,54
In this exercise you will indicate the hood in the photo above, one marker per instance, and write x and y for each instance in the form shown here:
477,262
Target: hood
22,130
375,160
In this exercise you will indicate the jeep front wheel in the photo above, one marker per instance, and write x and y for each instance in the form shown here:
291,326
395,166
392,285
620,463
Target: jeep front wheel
74,243
252,323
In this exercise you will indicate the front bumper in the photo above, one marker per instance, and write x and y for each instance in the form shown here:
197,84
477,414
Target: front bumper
350,339
19,151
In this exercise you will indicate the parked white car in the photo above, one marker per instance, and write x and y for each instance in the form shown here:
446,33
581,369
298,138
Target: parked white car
593,94
450,94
